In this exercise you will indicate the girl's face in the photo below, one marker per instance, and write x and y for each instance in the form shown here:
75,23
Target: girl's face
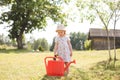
61,33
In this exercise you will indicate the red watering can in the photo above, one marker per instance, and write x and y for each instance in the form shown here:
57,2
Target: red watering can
56,67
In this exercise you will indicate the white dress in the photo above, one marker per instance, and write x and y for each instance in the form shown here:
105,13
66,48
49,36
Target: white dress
63,48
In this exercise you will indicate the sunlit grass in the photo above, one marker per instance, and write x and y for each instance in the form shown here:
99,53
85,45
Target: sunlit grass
24,65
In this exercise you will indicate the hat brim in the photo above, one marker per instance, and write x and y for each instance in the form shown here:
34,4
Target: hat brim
60,30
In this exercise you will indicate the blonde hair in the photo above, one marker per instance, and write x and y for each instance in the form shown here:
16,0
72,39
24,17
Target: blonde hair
62,31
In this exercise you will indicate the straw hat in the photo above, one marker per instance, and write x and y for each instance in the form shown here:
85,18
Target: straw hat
60,28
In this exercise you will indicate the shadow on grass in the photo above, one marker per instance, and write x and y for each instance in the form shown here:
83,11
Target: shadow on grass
50,77
96,72
99,71
8,51
75,74
102,65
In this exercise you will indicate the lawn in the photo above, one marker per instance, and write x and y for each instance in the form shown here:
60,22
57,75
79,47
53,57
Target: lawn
24,65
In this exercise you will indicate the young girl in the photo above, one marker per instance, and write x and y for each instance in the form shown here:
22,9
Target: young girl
63,46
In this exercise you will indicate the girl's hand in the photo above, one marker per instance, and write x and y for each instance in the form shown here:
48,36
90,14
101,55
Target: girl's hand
55,57
71,54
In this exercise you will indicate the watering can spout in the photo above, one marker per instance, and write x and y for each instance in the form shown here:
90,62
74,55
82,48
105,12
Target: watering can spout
69,64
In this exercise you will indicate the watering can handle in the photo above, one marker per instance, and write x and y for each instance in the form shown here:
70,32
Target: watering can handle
45,59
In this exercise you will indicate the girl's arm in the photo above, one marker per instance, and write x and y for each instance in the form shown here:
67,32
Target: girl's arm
70,47
55,48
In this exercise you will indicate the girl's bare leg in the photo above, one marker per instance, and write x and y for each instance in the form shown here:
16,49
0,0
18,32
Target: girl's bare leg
67,70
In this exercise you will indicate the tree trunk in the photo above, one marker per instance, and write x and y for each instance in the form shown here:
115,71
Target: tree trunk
114,46
115,40
20,37
108,40
106,27
114,49
108,43
19,42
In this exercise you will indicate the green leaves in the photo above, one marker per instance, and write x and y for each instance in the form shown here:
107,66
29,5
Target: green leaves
32,14
77,40
27,15
5,2
101,9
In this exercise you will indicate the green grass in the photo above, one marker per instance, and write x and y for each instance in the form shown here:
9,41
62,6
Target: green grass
28,65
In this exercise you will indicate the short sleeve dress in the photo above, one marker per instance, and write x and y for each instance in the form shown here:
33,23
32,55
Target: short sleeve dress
63,48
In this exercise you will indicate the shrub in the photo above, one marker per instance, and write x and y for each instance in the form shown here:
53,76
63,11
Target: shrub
40,48
87,45
3,47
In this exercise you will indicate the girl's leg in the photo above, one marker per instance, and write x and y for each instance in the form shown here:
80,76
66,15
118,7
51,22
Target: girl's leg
67,71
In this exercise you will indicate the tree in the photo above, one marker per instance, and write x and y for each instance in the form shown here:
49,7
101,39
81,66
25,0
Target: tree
1,39
36,44
4,2
27,15
53,44
44,44
40,43
72,37
116,18
94,11
77,40
4,40
115,8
